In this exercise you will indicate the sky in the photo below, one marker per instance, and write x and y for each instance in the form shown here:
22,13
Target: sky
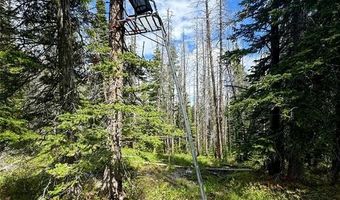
183,13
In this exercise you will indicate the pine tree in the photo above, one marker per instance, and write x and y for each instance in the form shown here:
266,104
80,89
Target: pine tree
292,63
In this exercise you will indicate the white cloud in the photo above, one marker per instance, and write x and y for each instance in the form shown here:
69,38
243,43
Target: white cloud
183,14
249,61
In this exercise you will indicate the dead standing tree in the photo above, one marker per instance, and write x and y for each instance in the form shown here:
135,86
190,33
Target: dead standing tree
218,151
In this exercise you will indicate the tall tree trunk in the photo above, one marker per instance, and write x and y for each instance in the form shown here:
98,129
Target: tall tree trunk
113,96
205,115
184,85
295,164
218,149
228,124
169,89
277,160
274,44
65,56
220,73
197,99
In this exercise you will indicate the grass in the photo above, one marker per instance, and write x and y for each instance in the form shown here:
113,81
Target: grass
170,177
139,158
19,181
151,181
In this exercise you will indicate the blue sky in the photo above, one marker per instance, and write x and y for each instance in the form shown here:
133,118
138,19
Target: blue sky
183,20
183,14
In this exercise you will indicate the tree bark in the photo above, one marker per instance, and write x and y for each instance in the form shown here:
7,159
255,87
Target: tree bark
295,165
205,117
277,160
65,56
218,151
220,95
113,96
184,85
197,99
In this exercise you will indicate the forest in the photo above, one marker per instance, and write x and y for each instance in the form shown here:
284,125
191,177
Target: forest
169,100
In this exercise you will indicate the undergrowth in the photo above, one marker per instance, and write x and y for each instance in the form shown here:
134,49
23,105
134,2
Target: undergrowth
152,176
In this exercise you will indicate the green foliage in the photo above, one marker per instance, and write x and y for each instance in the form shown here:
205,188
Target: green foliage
22,183
16,67
14,132
147,126
73,150
60,170
64,155
302,83
76,148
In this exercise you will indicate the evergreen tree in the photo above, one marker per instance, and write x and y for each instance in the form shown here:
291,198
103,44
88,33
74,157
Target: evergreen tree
292,79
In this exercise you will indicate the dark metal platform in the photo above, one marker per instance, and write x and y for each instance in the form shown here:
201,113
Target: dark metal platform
140,24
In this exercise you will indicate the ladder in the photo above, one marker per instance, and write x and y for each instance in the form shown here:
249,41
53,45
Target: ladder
151,22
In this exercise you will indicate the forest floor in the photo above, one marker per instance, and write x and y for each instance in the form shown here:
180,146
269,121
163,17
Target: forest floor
163,177
153,176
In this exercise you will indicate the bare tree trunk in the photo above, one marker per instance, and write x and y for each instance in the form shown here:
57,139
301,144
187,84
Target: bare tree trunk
113,96
220,95
231,94
213,82
170,100
205,109
229,136
65,56
184,85
197,104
